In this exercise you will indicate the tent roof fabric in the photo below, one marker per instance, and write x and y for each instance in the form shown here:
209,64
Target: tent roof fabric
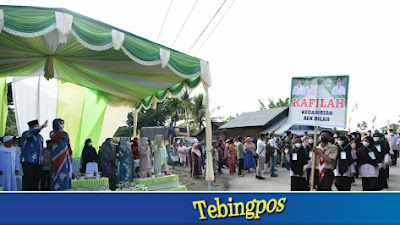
89,53
254,119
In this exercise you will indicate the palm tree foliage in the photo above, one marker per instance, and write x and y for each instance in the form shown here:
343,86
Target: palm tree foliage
198,111
272,104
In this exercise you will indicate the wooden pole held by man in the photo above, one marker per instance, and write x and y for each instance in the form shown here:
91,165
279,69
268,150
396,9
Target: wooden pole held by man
313,160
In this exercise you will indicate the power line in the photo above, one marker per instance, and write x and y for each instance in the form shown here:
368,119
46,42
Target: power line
159,34
187,18
214,28
206,26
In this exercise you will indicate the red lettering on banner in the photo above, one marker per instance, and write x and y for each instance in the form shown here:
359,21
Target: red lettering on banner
340,103
318,103
312,101
322,103
304,103
296,102
330,104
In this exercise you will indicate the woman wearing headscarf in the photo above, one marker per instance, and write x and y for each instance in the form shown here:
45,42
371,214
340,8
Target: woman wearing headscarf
298,158
345,167
108,159
61,158
125,160
234,152
135,149
249,161
160,155
145,158
196,161
368,165
89,154
383,158
169,152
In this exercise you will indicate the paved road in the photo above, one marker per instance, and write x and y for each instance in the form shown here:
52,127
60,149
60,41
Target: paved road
282,182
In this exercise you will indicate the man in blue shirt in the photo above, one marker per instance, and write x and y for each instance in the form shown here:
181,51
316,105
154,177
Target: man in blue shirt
32,156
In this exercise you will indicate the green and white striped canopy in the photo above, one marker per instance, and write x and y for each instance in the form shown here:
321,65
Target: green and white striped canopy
77,49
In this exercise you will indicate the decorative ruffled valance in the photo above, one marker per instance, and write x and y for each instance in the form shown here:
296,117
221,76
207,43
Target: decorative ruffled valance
70,44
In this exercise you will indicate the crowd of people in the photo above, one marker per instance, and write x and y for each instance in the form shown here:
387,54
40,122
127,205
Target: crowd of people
26,165
339,158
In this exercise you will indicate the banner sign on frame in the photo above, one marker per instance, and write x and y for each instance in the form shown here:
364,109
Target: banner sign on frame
319,101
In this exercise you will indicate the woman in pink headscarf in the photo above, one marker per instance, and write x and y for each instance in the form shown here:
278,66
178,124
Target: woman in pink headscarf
196,161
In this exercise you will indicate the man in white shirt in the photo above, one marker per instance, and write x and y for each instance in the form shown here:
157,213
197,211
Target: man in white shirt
261,156
9,165
339,89
274,145
310,89
393,141
298,89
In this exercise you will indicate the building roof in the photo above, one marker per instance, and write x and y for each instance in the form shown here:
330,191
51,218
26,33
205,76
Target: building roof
276,126
218,124
254,119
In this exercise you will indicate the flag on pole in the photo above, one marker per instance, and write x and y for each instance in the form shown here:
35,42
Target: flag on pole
388,126
349,130
355,107
373,122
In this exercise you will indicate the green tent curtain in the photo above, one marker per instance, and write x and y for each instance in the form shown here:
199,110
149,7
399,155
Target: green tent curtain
4,107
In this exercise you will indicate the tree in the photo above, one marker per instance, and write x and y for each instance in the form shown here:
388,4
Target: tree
130,120
272,104
198,111
176,109
279,103
11,124
231,118
154,117
262,105
123,132
362,126
186,104
146,118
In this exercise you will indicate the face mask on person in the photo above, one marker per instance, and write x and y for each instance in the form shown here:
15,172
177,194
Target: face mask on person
340,142
90,144
62,126
391,133
376,139
366,144
335,136
324,139
311,141
297,145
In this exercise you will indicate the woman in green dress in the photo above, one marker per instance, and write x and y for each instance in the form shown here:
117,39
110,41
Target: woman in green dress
160,155
170,161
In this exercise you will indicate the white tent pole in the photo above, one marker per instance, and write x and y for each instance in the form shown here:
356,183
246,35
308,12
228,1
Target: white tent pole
209,164
135,122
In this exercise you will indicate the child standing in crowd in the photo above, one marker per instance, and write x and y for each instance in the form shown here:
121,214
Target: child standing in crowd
231,161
